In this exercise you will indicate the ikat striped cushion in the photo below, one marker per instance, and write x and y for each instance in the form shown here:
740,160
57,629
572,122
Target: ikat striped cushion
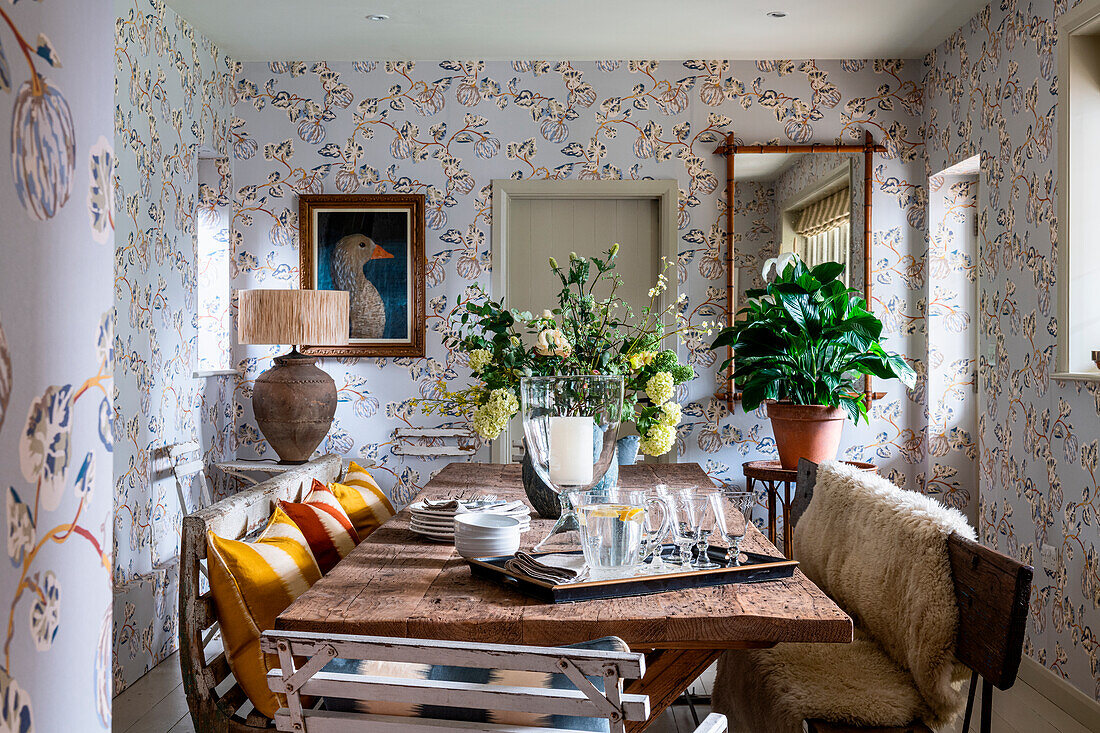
252,583
366,504
325,524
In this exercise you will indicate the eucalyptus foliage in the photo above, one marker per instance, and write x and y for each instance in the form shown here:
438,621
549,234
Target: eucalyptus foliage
809,339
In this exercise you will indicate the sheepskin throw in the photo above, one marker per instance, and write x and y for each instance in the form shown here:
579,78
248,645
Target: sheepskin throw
881,553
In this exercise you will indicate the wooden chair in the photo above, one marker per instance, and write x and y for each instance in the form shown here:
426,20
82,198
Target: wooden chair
217,702
303,655
992,592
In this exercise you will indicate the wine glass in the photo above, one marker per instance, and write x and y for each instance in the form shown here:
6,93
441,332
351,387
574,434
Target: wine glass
738,506
680,503
570,423
707,518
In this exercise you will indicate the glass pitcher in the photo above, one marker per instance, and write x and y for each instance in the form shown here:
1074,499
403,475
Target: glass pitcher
614,536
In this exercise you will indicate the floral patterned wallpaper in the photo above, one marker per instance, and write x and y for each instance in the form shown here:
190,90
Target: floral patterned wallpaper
992,90
171,103
951,397
56,354
214,319
756,234
446,129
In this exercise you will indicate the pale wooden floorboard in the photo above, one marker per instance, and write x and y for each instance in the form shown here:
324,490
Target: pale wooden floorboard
165,715
1022,709
1029,700
156,704
184,726
684,721
664,724
147,694
705,684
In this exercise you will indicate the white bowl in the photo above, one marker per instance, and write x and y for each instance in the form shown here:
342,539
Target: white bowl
478,549
484,523
488,538
507,539
487,543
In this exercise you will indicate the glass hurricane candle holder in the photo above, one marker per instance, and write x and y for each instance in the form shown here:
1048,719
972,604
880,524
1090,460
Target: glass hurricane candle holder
570,424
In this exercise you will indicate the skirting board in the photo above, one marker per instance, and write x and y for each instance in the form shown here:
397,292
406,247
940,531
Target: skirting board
1065,696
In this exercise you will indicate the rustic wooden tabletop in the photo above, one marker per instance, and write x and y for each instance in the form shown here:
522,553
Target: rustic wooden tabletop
396,583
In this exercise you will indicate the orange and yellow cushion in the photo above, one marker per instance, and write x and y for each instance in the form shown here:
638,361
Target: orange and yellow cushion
252,583
366,504
325,524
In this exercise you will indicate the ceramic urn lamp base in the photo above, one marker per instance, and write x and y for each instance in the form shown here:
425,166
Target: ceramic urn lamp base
294,402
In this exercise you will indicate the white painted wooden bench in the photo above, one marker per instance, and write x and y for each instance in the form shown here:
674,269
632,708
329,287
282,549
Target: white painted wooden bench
429,442
303,655
217,702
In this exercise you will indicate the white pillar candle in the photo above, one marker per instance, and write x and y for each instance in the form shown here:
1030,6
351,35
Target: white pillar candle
571,450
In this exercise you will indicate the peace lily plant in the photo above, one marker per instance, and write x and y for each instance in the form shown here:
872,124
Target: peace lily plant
586,333
804,344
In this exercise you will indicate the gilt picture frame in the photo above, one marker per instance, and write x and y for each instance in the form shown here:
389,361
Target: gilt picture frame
371,245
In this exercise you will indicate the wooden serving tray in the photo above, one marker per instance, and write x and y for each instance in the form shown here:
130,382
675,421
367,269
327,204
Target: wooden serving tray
758,568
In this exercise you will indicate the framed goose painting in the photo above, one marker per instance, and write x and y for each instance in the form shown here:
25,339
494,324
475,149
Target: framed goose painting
371,245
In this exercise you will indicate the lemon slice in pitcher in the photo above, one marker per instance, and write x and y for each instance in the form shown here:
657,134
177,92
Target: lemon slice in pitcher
633,514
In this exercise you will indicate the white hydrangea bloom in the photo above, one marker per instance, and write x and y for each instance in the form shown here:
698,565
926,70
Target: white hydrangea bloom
660,387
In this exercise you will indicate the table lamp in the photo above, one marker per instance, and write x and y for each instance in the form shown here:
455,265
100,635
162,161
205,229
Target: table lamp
294,400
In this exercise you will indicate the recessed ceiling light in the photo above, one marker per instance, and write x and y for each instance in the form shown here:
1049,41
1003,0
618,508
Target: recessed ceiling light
777,14
378,18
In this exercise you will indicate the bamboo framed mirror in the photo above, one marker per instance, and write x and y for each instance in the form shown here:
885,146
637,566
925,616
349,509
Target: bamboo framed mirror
812,200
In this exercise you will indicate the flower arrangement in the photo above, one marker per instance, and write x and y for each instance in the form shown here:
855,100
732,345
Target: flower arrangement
585,334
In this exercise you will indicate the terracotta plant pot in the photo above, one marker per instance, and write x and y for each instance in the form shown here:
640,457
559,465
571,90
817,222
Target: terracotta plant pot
806,431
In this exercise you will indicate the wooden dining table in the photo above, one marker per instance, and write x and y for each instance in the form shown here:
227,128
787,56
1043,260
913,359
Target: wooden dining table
396,583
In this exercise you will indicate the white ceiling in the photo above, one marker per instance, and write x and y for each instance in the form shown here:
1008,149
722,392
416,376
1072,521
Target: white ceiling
336,30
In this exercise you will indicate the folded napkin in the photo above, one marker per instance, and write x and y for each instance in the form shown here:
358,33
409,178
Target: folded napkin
551,568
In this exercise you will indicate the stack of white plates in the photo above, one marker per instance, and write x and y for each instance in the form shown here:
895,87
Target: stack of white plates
486,535
436,520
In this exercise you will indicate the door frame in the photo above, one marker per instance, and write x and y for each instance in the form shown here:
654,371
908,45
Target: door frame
665,192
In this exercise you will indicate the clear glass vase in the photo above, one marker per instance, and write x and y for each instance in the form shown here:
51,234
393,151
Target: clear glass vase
570,423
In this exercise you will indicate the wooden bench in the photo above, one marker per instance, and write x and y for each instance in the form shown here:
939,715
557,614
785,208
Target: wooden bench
992,592
217,702
429,443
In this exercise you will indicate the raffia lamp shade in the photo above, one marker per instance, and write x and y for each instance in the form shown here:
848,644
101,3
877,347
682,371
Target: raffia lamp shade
295,317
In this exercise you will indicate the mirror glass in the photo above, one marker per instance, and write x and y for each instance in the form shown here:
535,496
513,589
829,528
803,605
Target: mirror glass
807,203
